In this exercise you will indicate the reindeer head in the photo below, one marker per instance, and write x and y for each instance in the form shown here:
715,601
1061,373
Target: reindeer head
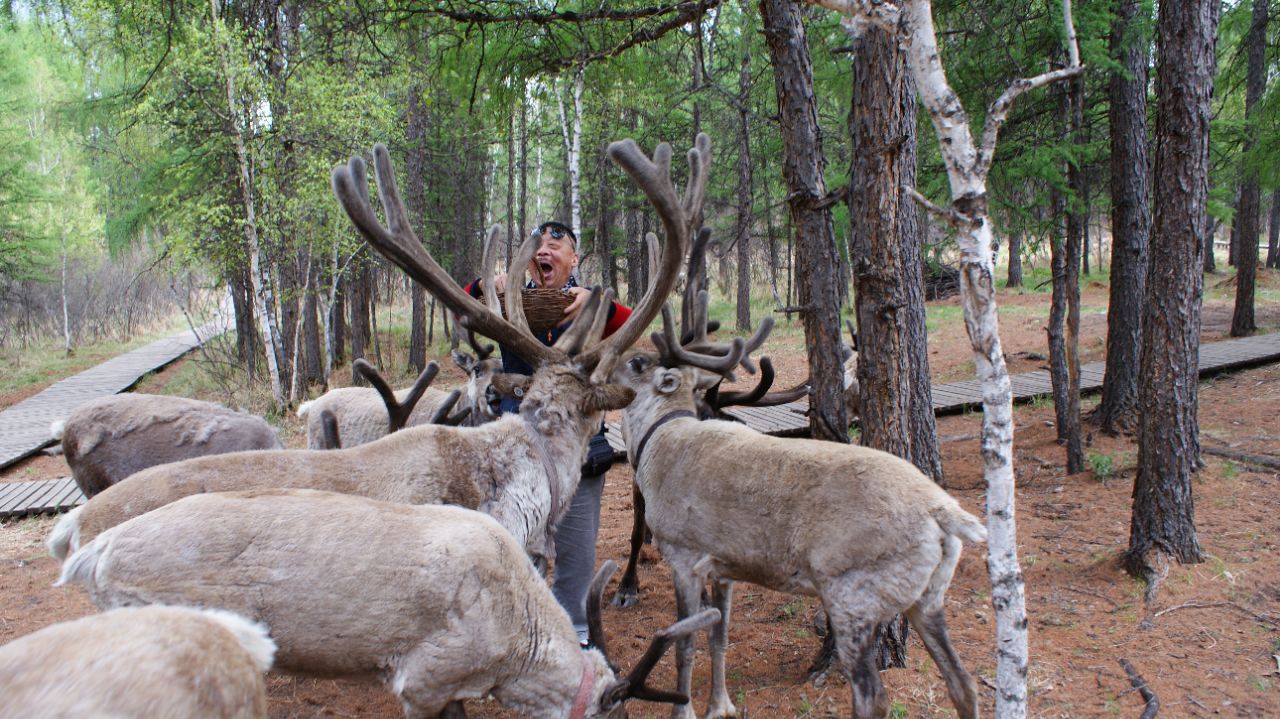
657,377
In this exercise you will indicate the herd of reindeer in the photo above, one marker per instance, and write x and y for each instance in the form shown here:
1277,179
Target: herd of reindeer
405,543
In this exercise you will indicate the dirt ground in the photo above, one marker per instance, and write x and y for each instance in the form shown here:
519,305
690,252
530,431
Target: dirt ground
1209,645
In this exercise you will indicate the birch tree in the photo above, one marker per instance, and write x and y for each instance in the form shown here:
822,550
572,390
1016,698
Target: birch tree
968,163
572,133
261,288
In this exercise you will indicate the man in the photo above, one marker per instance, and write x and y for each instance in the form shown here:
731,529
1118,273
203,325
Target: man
575,539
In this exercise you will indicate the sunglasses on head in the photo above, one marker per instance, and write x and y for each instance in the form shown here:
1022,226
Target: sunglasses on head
555,232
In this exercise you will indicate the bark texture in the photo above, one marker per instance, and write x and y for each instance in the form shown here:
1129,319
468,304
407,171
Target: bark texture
1130,218
1163,521
416,201
743,315
1249,209
893,366
893,361
816,255
1064,314
1273,232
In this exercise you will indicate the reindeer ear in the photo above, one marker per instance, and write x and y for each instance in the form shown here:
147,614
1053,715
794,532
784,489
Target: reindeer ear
464,361
667,380
613,695
609,396
510,385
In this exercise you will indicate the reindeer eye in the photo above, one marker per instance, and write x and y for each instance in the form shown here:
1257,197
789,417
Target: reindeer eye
637,364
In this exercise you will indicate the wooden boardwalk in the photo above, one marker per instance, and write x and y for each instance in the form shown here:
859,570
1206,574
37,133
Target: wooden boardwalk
24,427
789,420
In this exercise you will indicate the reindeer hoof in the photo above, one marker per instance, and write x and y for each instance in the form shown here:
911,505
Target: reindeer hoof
722,710
625,598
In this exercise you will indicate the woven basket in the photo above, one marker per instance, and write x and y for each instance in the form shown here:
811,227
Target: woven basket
543,308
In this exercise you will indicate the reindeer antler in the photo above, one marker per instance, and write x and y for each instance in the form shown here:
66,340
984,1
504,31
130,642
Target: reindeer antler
673,353
398,243
397,412
678,215
633,686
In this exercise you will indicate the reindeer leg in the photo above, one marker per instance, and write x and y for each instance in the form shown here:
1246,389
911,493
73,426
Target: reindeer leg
856,646
932,628
628,593
722,599
688,603
453,710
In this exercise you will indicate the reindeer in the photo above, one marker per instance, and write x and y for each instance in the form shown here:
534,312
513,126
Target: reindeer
861,529
110,438
521,469
439,603
155,661
711,401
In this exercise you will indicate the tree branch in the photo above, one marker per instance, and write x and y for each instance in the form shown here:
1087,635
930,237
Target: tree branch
603,12
999,110
950,216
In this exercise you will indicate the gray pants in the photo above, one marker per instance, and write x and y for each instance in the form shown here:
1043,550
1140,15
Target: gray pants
575,561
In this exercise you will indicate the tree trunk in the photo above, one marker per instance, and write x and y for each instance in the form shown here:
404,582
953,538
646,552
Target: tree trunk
884,252
1249,209
573,148
1130,218
359,309
1015,258
288,298
635,252
1163,521
338,319
66,311
313,357
415,190
511,187
802,168
1210,262
743,222
1273,232
242,306
1064,314
522,206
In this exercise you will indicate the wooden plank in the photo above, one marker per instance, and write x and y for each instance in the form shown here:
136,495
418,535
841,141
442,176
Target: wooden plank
68,496
9,489
19,498
40,500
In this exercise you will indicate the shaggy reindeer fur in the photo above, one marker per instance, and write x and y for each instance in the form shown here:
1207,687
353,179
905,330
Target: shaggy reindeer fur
439,603
162,662
863,530
521,469
110,438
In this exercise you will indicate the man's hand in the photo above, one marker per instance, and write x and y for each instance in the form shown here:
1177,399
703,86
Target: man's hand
580,295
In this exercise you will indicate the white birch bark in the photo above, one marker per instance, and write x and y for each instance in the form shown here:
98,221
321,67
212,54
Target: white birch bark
328,312
261,287
297,385
967,168
66,313
573,149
